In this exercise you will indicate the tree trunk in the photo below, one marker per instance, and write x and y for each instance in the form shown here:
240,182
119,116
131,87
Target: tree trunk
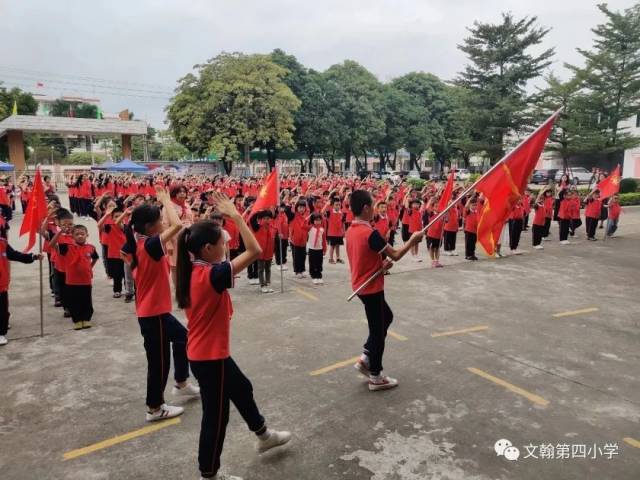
347,158
271,158
228,165
302,165
413,161
395,159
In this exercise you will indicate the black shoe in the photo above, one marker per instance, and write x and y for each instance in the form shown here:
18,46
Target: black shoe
128,298
467,258
601,226
474,258
57,304
67,314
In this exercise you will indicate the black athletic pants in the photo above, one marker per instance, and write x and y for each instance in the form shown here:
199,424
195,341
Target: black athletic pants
4,313
280,250
80,302
449,241
222,381
470,244
299,258
315,263
515,230
537,233
591,226
115,267
379,317
160,333
564,228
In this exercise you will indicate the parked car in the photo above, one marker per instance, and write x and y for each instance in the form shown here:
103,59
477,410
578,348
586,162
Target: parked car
543,176
463,174
577,175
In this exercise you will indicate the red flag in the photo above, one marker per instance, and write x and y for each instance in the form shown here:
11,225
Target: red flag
447,192
610,185
268,195
36,212
505,184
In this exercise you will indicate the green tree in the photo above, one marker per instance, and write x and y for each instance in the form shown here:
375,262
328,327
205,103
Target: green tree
611,82
500,67
171,150
357,98
26,106
233,103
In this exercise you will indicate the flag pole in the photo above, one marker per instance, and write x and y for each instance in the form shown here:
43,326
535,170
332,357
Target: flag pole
279,239
41,288
464,193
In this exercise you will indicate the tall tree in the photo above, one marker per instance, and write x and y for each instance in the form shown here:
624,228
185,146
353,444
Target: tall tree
611,80
233,103
501,65
26,106
357,96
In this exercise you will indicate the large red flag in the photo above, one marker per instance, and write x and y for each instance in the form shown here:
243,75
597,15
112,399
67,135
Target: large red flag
610,185
36,212
505,184
447,192
268,195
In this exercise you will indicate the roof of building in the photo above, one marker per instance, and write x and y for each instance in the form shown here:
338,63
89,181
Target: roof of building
72,126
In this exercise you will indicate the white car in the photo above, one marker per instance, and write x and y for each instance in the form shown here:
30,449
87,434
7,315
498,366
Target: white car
463,174
577,175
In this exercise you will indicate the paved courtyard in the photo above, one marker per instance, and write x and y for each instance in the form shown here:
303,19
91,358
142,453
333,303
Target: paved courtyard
539,349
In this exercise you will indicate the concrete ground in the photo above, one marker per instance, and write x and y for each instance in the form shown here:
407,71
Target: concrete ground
563,382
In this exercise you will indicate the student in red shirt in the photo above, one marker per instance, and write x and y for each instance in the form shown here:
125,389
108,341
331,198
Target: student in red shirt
451,229
516,220
574,212
6,254
526,206
335,229
614,215
434,233
64,221
592,214
265,235
145,252
282,237
115,238
80,258
548,201
564,215
316,247
298,235
470,228
366,249
539,219
382,222
202,290
414,217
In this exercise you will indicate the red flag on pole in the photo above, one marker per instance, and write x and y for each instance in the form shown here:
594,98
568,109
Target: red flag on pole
610,185
447,192
36,212
505,184
268,195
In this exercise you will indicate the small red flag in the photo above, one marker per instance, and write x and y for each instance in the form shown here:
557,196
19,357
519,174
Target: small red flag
36,212
610,185
503,186
268,195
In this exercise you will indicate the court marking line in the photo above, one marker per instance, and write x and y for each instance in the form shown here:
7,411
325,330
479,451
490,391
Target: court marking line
110,442
477,328
632,441
335,366
575,312
307,294
392,334
532,397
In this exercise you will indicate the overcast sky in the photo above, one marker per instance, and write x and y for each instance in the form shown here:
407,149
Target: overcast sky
76,47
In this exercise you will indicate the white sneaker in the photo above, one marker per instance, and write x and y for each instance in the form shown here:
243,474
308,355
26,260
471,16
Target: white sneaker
284,268
254,281
453,253
382,382
271,439
565,242
270,290
3,340
418,259
264,290
320,281
538,247
165,411
189,390
314,281
516,252
222,476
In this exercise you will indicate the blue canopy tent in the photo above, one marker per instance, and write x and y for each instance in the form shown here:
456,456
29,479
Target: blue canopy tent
128,166
6,167
103,166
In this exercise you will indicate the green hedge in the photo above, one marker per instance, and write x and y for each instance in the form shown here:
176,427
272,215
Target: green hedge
630,198
628,185
416,183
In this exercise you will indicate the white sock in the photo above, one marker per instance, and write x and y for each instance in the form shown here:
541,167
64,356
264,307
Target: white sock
364,358
264,436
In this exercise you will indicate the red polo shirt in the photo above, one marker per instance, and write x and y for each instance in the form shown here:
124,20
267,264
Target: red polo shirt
79,262
364,250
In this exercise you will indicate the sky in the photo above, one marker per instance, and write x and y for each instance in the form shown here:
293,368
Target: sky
130,54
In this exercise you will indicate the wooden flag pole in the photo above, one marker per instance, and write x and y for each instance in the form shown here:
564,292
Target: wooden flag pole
464,193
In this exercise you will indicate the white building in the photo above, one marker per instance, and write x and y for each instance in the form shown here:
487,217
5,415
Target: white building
631,165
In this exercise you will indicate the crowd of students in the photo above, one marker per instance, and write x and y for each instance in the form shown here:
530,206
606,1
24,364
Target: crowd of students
199,233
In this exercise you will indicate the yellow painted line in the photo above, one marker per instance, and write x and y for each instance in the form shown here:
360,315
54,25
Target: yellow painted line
306,294
538,400
392,334
575,312
335,366
632,441
120,439
458,332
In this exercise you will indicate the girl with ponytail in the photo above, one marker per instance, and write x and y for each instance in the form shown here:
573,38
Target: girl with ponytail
145,253
202,283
